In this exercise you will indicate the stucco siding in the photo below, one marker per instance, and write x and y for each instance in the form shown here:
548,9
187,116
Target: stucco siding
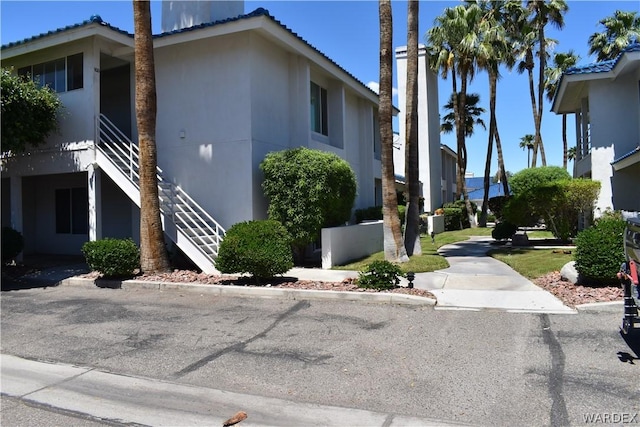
204,122
39,221
614,109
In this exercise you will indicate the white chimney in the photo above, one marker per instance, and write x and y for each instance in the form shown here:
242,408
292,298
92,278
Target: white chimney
180,14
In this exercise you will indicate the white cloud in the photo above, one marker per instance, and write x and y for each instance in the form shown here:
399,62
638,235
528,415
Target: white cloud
375,86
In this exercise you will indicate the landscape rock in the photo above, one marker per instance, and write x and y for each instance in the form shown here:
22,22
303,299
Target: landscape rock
569,272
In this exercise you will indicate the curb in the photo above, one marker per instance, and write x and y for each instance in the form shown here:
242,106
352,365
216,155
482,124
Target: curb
249,291
595,305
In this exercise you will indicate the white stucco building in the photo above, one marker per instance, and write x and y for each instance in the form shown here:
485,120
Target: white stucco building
605,99
436,172
230,89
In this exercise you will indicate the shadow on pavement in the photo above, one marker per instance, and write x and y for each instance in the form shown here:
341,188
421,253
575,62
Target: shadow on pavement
632,339
41,271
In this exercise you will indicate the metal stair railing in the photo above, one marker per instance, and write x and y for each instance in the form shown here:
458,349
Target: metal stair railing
204,232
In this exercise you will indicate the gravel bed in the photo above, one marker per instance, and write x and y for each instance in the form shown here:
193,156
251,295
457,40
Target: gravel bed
571,294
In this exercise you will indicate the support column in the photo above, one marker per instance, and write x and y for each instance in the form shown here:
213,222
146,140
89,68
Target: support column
16,207
94,177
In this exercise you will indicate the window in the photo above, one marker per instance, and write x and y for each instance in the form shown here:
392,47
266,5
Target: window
60,75
72,211
319,109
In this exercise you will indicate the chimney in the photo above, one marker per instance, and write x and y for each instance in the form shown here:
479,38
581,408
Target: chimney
179,14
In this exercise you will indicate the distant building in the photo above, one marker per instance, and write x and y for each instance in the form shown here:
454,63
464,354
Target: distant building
434,169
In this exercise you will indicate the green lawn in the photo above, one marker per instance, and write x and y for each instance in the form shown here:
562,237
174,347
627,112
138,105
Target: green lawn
530,263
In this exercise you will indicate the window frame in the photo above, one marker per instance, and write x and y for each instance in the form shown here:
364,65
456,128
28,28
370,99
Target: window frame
319,108
61,75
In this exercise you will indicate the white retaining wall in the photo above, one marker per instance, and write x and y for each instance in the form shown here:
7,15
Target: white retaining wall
342,244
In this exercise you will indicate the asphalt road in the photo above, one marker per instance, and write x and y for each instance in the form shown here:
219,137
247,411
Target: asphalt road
482,368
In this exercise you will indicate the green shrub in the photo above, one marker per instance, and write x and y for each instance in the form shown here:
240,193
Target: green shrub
260,248
112,257
453,219
600,251
12,243
424,223
372,213
530,178
308,190
457,221
379,275
496,206
402,213
503,230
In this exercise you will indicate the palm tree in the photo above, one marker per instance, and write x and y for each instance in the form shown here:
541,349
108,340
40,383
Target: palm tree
393,245
153,253
571,153
561,63
472,115
543,13
527,143
452,48
620,30
494,51
412,219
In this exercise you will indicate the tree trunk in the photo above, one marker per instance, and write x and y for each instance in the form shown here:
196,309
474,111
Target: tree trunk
534,108
564,141
153,253
394,250
492,127
461,119
412,218
543,62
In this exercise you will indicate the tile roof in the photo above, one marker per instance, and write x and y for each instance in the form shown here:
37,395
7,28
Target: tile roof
624,156
258,12
94,19
603,66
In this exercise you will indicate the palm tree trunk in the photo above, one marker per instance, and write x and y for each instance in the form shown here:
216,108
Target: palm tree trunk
393,245
153,253
543,61
564,141
503,170
462,148
492,127
532,93
412,219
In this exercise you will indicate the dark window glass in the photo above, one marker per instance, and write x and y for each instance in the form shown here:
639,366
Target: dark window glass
72,211
74,72
79,211
63,211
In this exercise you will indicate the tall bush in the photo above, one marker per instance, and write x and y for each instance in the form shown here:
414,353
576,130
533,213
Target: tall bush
455,215
260,248
531,178
307,190
600,251
29,112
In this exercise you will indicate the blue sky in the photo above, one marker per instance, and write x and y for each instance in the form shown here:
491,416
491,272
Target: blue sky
348,32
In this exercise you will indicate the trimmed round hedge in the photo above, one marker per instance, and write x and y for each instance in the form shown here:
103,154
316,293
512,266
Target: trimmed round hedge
260,248
112,257
600,251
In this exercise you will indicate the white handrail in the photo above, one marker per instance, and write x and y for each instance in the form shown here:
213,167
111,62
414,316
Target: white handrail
206,233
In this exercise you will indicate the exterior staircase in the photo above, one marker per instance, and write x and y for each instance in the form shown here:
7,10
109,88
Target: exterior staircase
184,221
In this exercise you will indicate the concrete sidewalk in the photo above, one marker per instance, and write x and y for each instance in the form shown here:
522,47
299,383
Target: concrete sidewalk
473,281
144,401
